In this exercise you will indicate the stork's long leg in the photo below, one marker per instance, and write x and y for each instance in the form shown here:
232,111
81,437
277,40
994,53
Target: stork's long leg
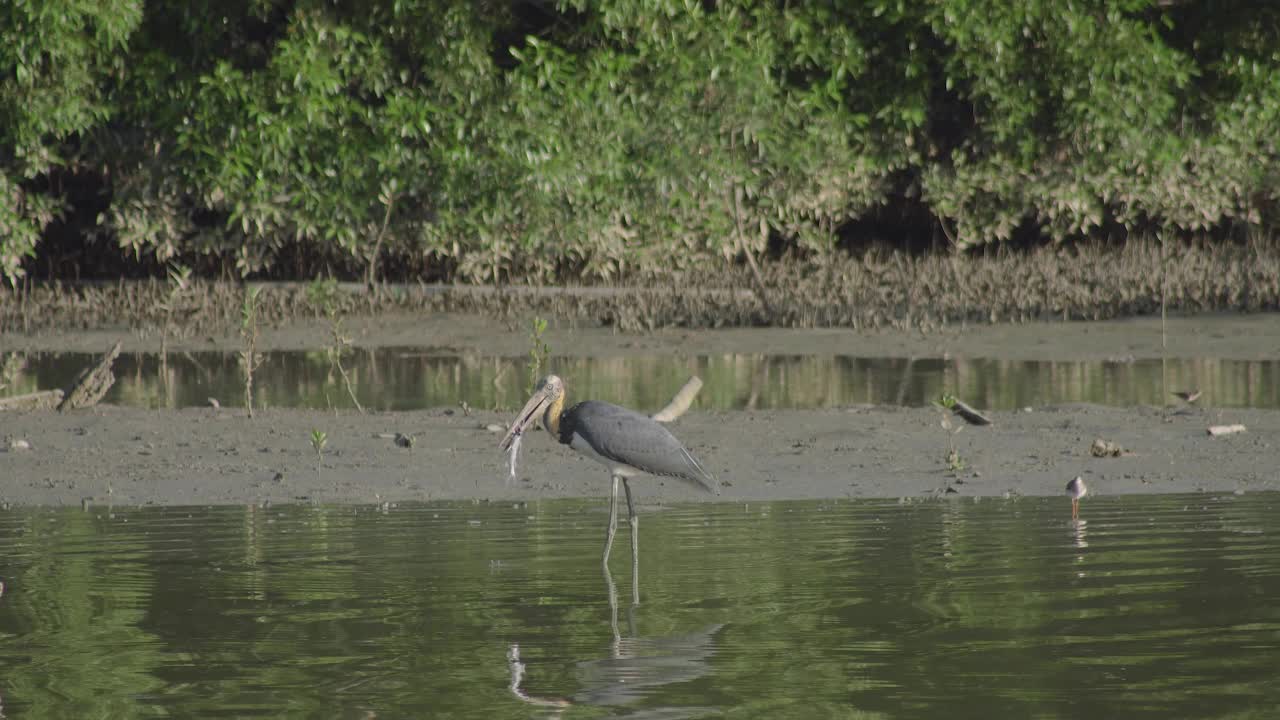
613,521
635,544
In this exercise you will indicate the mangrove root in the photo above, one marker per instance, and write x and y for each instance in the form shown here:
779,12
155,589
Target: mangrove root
42,400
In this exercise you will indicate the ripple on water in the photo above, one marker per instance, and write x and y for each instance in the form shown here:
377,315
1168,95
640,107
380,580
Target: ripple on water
1154,605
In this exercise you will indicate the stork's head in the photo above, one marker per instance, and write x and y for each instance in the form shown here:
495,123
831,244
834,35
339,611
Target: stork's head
547,401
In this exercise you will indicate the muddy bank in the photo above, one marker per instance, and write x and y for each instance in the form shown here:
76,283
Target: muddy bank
205,456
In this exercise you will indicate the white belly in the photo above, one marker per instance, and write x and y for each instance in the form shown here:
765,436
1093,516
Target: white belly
615,467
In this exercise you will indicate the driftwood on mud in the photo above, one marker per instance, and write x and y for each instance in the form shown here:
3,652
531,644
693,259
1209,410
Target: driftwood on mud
972,416
92,383
1216,430
42,400
681,402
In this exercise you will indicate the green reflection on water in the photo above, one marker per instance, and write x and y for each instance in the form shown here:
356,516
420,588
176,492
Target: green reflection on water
399,379
1154,606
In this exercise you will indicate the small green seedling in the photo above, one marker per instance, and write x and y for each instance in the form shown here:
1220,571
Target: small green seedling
946,403
318,440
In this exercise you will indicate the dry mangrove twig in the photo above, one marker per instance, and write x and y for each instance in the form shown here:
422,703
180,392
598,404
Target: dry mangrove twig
92,383
679,404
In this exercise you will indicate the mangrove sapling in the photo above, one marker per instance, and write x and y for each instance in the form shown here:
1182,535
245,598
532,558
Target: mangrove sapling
387,197
318,440
249,357
337,348
323,295
179,278
538,351
946,403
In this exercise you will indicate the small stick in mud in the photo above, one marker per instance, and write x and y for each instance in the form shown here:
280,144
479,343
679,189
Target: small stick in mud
679,404
92,383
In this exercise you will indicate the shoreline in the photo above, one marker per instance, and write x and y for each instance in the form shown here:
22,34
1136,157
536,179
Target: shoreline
1231,336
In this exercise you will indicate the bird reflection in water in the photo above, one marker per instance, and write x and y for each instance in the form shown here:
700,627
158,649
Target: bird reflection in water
635,667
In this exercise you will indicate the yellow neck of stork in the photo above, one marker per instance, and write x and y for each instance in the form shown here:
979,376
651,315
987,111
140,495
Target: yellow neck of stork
551,418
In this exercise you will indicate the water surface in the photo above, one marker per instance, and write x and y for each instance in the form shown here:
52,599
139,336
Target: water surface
406,379
1154,606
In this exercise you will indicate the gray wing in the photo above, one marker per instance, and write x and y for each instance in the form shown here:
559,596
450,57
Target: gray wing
626,436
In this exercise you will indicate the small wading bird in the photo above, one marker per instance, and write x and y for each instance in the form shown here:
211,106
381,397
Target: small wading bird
1076,489
1187,396
623,440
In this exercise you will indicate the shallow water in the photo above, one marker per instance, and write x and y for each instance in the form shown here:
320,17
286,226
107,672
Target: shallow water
1154,606
405,379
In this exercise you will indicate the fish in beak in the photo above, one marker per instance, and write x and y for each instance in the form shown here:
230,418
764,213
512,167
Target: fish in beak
538,404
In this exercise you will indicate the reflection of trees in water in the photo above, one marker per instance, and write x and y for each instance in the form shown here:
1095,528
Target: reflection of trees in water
404,379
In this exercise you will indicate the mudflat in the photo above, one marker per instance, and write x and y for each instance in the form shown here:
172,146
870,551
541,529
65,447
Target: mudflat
1226,335
132,456
204,455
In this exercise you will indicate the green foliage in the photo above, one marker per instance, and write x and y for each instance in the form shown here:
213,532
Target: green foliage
666,134
322,295
626,137
1087,113
319,439
946,403
59,58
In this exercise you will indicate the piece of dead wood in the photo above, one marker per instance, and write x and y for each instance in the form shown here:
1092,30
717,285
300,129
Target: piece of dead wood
92,383
681,402
42,400
1105,448
1216,430
971,416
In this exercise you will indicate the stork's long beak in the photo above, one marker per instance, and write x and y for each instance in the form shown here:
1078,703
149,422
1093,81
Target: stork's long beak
528,416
